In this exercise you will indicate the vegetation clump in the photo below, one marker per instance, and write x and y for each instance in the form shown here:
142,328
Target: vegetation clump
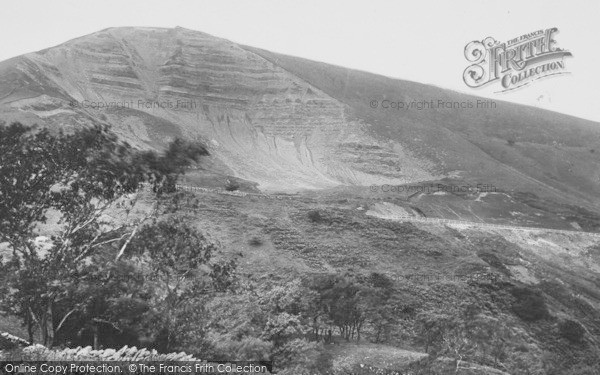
315,216
232,185
571,330
255,241
529,304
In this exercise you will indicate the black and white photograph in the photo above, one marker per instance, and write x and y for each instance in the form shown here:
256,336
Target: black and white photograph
300,187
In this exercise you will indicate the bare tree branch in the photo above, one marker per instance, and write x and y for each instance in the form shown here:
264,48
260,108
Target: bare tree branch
62,321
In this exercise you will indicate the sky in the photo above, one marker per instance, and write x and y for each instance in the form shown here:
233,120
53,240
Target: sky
421,41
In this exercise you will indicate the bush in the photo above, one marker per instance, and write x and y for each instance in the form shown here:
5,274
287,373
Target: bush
315,216
529,304
232,186
7,344
571,330
255,241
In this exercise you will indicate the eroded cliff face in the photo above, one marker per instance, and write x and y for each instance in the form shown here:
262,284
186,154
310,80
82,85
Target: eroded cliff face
260,122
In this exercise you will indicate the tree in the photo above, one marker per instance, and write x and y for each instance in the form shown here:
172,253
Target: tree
78,177
234,328
269,320
385,307
318,314
338,302
433,328
170,252
343,301
466,333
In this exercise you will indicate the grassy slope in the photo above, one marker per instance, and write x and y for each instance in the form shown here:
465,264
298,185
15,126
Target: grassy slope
291,245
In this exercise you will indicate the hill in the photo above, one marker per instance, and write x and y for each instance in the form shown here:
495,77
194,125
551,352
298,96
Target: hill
449,230
286,123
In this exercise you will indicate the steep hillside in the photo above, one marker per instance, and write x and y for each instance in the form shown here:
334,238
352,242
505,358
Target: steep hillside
286,123
436,267
512,146
261,122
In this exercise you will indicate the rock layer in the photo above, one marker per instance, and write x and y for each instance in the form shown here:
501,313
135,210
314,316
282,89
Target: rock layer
263,123
288,123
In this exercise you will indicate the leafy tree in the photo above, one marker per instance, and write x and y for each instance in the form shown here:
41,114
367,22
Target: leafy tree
433,328
171,254
78,177
320,305
235,326
466,333
336,303
287,306
352,303
111,303
384,306
262,321
346,301
300,356
155,294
